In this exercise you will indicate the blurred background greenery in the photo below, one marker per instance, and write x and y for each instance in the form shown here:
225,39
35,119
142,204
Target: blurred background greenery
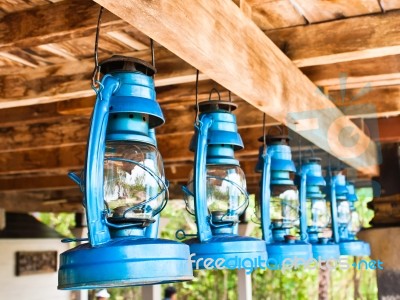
267,284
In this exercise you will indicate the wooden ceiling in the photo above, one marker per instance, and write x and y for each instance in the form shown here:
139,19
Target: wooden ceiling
350,49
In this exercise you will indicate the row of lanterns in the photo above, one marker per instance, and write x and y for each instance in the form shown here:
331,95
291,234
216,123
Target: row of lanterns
125,190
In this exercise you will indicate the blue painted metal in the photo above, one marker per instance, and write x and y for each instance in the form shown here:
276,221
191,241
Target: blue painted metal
275,163
311,182
214,142
121,255
124,262
348,243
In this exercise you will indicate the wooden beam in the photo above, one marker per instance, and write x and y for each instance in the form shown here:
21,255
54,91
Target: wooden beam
53,23
57,155
44,201
127,40
65,81
368,102
319,11
362,72
340,40
209,39
71,80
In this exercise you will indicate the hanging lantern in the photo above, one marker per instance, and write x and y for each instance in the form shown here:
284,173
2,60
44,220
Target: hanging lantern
315,220
216,192
124,188
279,202
347,218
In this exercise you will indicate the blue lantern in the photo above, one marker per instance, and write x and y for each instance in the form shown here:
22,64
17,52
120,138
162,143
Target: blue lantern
216,193
124,189
316,217
279,202
347,224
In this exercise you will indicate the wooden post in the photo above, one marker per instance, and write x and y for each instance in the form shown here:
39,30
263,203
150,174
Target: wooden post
153,292
244,280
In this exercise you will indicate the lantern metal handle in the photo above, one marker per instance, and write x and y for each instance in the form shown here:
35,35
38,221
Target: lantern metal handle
265,198
199,178
94,166
303,205
335,232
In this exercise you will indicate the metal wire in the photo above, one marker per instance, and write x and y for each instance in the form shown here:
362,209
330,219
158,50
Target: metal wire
153,59
300,162
197,98
96,71
312,151
264,137
214,89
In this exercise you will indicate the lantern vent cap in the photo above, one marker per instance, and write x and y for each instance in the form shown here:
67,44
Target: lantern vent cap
216,105
120,63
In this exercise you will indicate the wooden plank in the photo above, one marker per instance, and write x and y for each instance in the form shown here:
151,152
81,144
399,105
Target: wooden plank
53,23
324,10
72,80
368,103
16,5
17,59
57,50
49,156
390,4
361,71
209,38
376,36
44,201
127,40
275,14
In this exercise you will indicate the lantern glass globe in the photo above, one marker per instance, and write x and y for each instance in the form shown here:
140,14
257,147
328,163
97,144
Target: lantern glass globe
318,212
343,212
355,223
226,193
284,206
133,172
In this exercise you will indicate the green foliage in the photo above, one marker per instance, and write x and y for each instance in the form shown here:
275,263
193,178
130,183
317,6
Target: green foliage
364,196
61,222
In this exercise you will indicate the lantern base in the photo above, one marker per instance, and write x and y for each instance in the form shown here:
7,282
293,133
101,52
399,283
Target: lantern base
124,262
326,251
228,252
354,248
278,252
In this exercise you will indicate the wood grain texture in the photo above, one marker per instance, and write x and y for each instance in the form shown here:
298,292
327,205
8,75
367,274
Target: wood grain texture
324,10
214,44
363,71
275,14
390,4
340,40
71,79
372,102
53,23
